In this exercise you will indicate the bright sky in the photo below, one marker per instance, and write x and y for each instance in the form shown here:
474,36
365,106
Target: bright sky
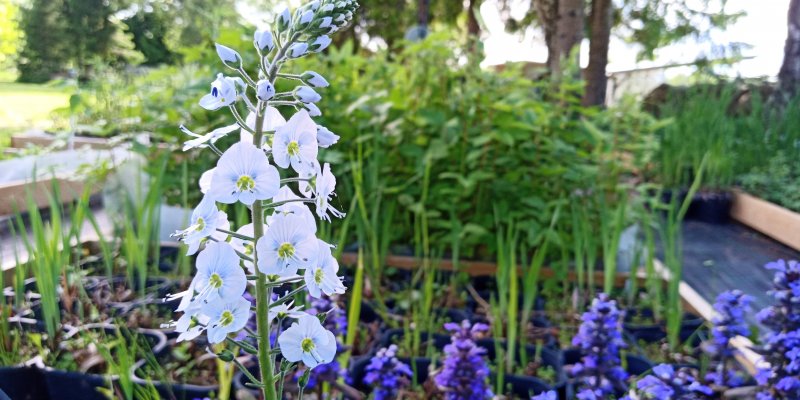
764,28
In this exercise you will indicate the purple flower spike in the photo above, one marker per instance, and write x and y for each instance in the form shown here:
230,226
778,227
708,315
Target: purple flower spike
781,378
465,372
599,338
386,374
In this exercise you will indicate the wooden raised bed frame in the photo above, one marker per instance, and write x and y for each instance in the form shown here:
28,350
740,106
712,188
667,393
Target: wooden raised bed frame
770,219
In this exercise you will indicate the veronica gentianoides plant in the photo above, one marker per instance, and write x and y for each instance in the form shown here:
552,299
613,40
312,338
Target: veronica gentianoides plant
281,238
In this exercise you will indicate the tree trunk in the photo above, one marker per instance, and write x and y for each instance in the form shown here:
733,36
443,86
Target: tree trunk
599,36
789,75
473,28
423,13
563,30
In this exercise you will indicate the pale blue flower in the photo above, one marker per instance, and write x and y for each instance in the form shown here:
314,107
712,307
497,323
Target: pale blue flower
314,79
219,277
328,7
226,317
285,194
312,109
306,94
326,138
228,55
314,5
287,245
322,276
264,90
286,310
307,341
205,220
205,180
262,39
191,324
223,92
244,174
297,50
324,187
295,143
201,141
320,43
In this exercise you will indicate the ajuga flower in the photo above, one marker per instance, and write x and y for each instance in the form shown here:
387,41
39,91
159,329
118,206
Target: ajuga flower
668,384
728,323
781,378
386,374
599,338
466,371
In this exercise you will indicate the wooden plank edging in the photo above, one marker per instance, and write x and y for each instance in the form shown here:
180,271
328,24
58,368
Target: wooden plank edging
770,219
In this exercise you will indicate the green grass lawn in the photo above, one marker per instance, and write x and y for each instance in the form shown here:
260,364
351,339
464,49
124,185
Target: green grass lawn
24,106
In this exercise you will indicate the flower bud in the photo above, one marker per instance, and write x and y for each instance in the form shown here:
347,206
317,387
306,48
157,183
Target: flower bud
225,355
340,18
326,138
283,20
313,110
306,94
325,22
320,43
303,381
314,5
297,50
264,90
314,79
328,7
228,56
305,19
263,40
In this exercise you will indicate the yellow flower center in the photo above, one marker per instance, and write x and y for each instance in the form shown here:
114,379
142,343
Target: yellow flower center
293,148
201,224
215,281
245,182
318,274
285,250
248,249
307,345
226,318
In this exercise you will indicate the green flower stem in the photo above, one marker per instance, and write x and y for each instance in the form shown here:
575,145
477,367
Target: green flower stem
236,235
288,296
263,292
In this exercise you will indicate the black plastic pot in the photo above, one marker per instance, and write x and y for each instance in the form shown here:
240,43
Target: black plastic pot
23,383
176,391
713,207
155,338
521,385
394,336
655,332
64,385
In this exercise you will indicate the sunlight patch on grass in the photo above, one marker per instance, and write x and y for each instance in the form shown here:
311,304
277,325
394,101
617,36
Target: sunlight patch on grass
25,106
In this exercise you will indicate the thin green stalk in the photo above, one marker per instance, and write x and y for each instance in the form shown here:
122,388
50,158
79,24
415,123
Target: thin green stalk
263,292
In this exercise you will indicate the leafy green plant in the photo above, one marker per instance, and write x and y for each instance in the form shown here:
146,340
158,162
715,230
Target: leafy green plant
777,181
